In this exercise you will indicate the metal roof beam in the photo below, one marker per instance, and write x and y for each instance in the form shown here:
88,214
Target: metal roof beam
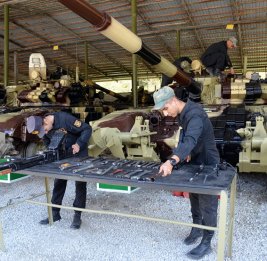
235,7
185,5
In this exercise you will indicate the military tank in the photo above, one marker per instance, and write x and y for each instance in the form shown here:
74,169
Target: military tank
236,107
40,95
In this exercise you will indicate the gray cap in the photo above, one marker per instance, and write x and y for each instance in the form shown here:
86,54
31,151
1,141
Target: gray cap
161,96
233,40
34,125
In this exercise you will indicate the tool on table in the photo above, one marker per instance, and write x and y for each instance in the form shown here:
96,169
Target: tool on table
140,175
107,170
68,165
131,173
216,170
201,167
83,168
153,177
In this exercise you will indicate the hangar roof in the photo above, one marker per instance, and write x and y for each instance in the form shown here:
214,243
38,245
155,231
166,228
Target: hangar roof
36,26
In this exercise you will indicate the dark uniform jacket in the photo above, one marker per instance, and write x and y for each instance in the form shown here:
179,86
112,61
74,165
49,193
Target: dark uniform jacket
212,53
197,137
77,131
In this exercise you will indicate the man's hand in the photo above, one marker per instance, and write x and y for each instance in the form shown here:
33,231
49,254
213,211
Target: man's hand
188,158
75,148
166,169
232,71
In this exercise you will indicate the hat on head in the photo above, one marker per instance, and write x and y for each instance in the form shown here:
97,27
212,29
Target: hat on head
161,96
233,40
34,125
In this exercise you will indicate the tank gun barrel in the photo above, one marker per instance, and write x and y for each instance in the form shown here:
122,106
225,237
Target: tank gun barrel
116,95
119,34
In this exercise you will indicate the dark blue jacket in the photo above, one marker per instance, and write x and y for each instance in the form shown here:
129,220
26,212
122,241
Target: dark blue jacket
197,137
77,131
207,58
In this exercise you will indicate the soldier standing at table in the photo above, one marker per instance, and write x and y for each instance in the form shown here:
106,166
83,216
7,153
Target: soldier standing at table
77,137
198,145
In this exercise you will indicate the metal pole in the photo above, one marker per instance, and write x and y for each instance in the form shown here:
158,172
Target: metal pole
48,200
245,65
2,245
6,45
134,57
86,60
222,225
232,218
15,68
178,47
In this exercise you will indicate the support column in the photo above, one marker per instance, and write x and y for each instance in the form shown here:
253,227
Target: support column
134,56
86,61
178,47
6,45
245,64
15,68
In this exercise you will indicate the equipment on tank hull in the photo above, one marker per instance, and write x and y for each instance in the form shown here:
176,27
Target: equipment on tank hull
253,156
138,134
232,91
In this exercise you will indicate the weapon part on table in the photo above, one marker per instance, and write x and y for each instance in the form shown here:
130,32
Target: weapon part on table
140,175
107,170
56,151
201,167
89,166
131,173
68,165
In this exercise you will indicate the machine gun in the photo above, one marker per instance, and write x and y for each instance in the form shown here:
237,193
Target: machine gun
55,151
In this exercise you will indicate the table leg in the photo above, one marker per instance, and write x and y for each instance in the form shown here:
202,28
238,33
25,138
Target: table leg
231,219
2,245
222,225
48,200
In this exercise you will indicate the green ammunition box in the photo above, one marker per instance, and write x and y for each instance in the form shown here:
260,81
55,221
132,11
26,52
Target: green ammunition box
115,188
11,177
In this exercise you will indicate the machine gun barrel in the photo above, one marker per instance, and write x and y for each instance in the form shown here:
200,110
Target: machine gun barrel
116,95
119,34
23,163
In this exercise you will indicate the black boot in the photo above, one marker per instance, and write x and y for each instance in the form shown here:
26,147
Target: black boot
195,233
203,248
76,222
56,217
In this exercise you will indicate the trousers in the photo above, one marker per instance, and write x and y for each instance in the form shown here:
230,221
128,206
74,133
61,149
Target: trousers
204,209
59,191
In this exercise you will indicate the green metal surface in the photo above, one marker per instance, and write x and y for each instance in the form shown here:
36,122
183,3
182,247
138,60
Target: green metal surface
115,187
